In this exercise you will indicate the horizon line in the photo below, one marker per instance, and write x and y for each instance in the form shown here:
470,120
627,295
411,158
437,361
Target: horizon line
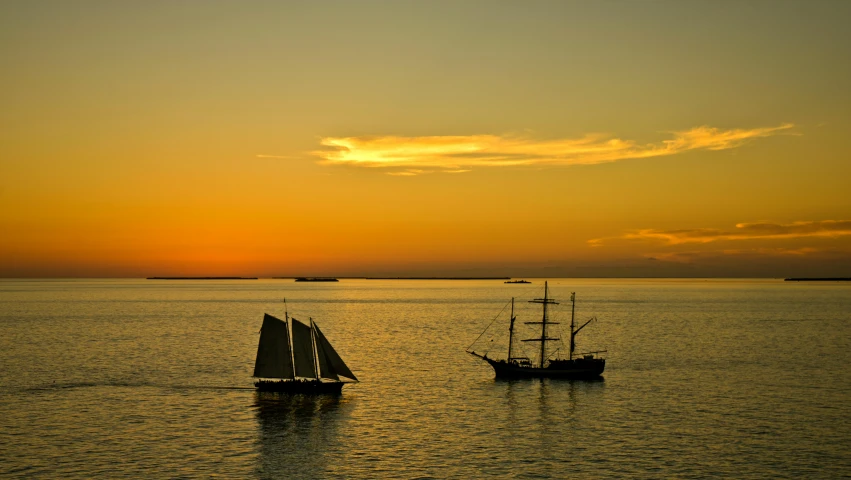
363,277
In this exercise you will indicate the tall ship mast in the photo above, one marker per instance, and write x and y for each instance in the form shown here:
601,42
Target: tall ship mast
586,365
294,357
544,323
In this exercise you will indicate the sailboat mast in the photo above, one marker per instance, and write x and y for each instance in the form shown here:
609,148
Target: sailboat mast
544,323
511,331
292,344
544,329
313,348
289,336
572,312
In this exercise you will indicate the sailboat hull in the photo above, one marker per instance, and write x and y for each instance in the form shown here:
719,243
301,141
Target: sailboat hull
304,387
578,369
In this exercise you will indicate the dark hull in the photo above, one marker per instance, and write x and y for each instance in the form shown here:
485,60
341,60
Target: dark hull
305,387
579,369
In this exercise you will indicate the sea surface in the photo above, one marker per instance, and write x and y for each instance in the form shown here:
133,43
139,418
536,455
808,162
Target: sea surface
152,379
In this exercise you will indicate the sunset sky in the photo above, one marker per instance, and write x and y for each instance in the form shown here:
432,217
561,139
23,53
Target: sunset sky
402,138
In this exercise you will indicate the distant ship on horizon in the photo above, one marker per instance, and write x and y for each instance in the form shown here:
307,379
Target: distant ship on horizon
587,365
518,281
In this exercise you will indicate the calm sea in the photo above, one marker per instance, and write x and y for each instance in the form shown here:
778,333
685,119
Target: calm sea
704,378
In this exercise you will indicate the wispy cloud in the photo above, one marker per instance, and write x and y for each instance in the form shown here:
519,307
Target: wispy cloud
284,157
408,173
743,231
692,256
458,153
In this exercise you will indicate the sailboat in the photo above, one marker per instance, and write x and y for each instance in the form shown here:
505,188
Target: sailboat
587,365
301,362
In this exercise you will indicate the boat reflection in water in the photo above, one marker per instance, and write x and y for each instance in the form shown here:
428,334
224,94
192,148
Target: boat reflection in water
523,393
544,412
297,433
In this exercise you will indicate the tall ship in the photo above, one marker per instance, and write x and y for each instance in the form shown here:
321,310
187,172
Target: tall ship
550,364
294,357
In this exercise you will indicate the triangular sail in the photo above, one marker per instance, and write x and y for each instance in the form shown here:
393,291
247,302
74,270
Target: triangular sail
273,352
303,350
336,364
325,368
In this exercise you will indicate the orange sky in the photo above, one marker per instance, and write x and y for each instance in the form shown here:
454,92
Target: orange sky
433,138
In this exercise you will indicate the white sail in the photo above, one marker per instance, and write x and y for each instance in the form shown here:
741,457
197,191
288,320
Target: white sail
273,352
335,363
303,350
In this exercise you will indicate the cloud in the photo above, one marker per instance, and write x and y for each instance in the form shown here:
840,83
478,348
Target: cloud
283,157
693,256
743,231
408,173
454,153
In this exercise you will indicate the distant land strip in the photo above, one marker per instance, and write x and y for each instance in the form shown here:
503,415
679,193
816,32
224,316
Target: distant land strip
314,279
438,278
201,278
847,279
401,278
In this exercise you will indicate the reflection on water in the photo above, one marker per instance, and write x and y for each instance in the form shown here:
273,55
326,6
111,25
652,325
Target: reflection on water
564,391
149,379
553,409
295,433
